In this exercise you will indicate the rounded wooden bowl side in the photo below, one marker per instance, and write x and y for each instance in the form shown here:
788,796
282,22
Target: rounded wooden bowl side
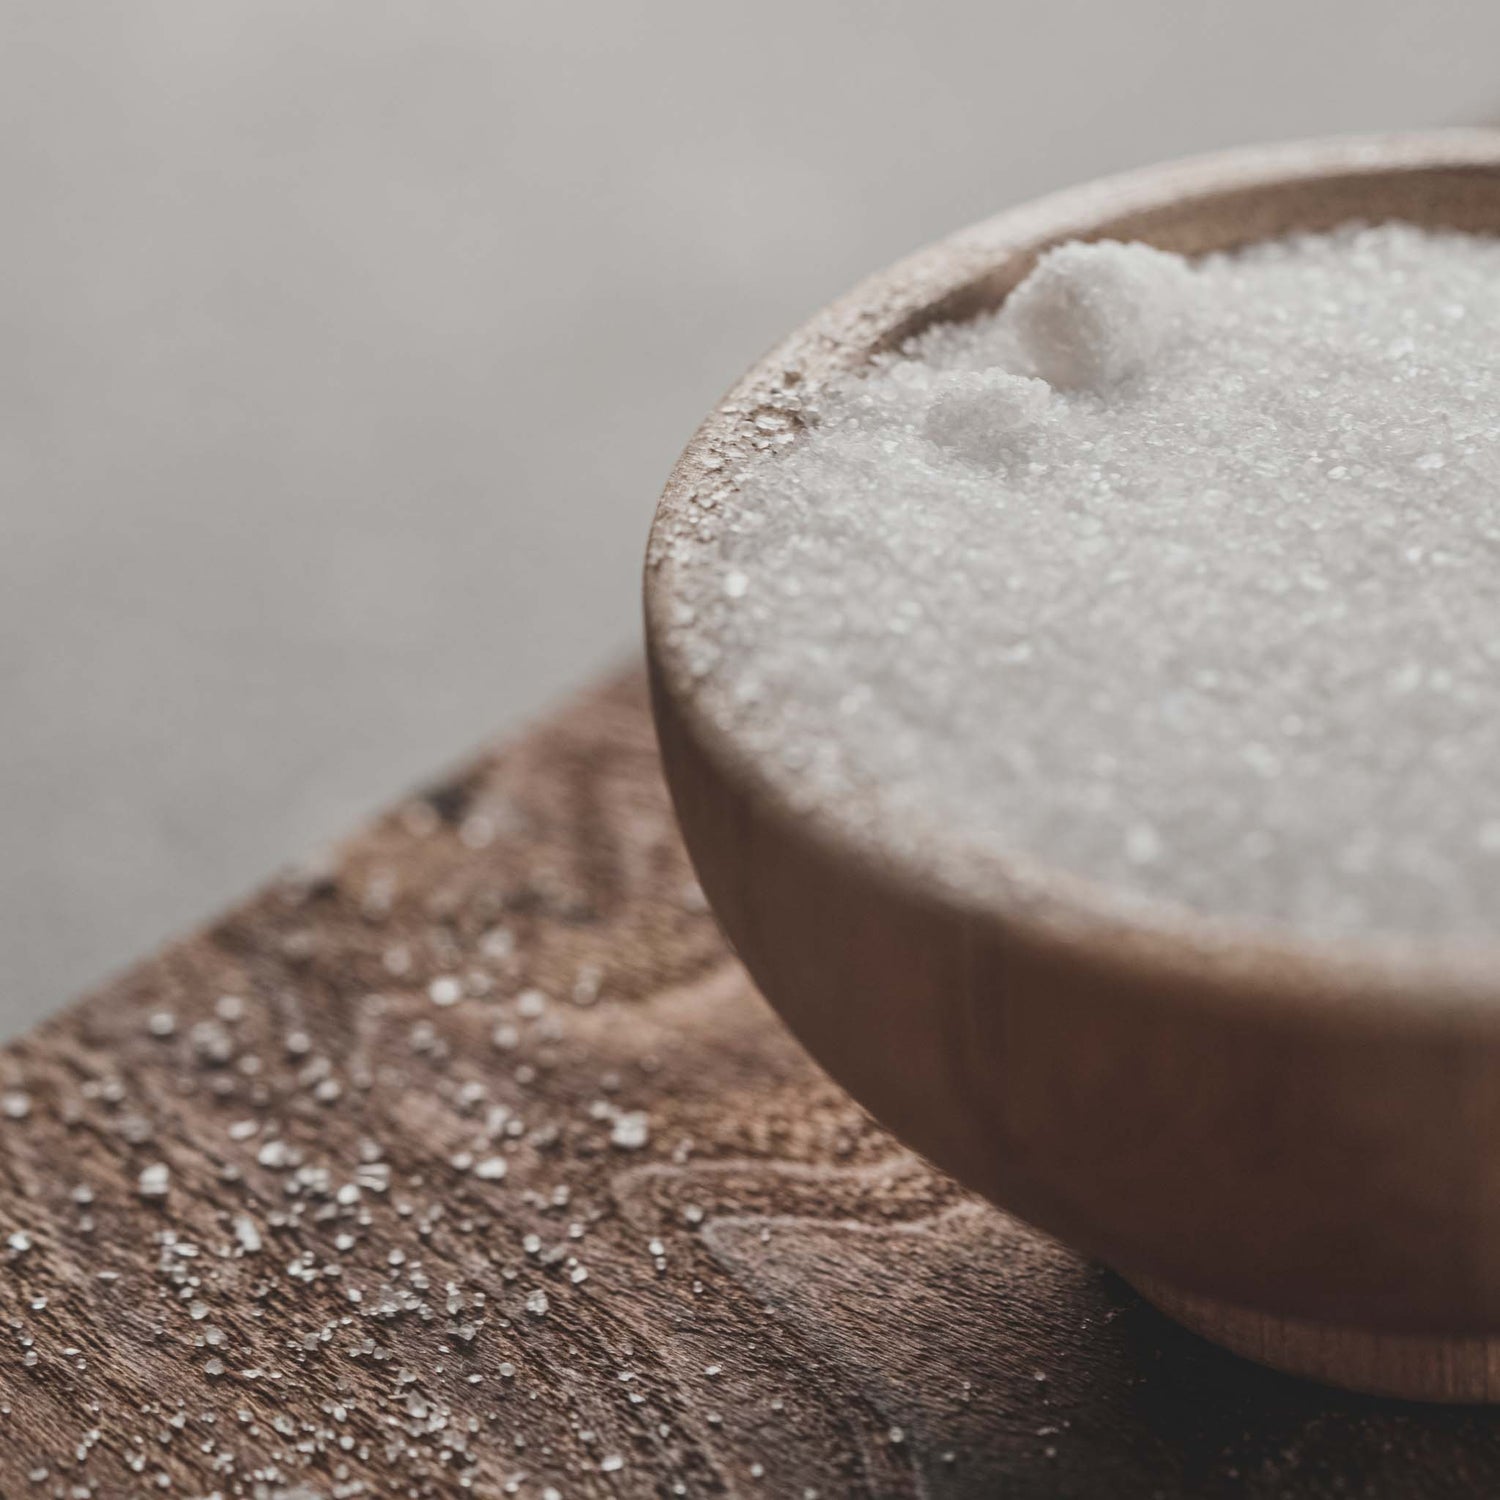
1276,1127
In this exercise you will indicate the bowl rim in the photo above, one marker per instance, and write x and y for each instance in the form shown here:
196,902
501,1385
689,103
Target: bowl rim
1205,960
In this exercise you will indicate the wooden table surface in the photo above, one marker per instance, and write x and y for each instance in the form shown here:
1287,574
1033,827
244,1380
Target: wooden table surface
468,1162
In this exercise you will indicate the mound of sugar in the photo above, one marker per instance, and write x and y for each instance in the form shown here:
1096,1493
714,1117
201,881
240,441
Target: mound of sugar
1090,316
972,411
1181,577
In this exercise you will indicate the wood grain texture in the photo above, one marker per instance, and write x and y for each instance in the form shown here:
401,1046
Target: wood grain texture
1308,1130
778,1300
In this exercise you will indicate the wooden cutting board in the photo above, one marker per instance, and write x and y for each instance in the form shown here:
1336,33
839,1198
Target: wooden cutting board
469,1162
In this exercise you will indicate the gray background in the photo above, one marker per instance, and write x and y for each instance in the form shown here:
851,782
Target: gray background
344,346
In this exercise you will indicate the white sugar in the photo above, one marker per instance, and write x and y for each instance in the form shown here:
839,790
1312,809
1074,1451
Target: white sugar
155,1180
1180,577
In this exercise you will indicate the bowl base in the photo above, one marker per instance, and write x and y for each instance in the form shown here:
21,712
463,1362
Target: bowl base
1413,1367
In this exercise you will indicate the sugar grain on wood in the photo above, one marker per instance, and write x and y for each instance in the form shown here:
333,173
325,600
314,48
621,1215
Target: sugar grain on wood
1177,576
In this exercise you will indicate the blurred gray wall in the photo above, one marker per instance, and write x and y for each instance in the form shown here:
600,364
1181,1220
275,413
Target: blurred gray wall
344,346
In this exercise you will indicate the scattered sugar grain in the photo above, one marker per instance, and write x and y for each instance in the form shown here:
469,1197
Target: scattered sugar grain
155,1181
631,1130
445,990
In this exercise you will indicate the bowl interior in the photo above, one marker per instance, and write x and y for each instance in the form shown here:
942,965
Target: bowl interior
1448,179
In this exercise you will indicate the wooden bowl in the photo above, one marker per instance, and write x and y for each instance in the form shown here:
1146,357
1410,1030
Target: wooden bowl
1295,1149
